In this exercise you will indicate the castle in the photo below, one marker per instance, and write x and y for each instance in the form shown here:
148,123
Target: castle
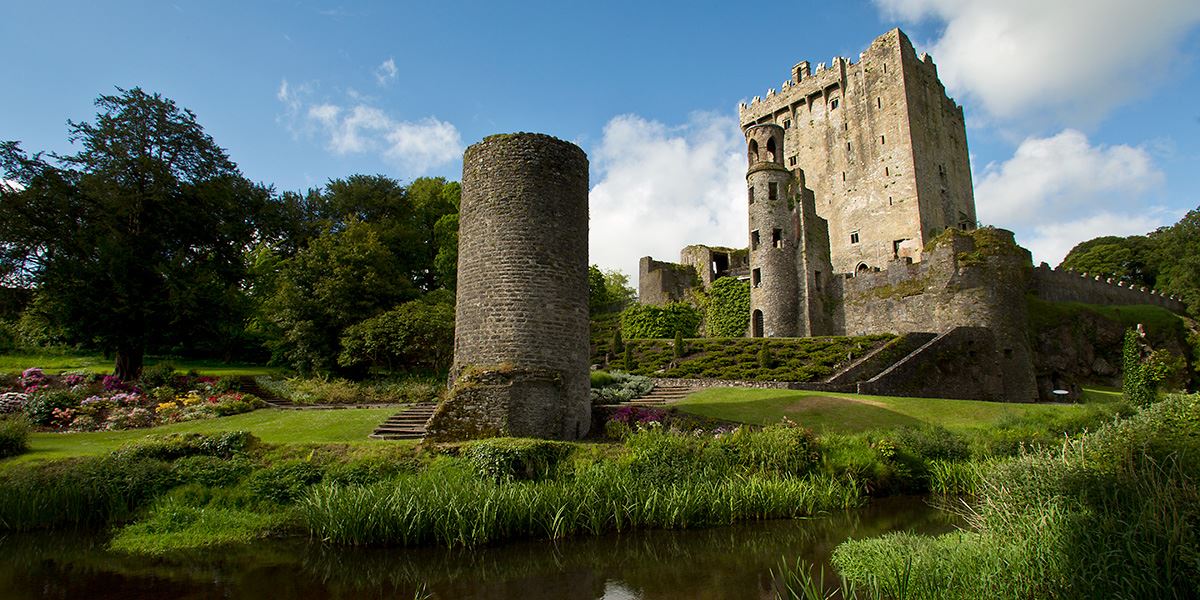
862,220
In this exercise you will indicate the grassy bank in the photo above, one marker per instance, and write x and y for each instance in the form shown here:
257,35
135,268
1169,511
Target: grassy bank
1114,513
850,413
269,425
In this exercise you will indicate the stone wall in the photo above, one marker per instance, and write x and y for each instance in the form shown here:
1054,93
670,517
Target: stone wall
883,146
1057,285
973,279
663,282
960,363
521,319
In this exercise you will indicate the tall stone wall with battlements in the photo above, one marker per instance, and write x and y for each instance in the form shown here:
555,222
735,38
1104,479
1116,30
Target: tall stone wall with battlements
884,150
1059,285
521,319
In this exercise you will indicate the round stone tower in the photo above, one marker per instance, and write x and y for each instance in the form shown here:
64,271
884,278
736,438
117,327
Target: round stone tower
774,283
521,320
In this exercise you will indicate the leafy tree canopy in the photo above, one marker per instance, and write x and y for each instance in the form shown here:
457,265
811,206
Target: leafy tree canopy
138,236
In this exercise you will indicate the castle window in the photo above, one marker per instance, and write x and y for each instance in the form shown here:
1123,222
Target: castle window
847,146
787,123
777,238
878,102
882,140
756,277
887,171
750,193
791,161
941,170
771,150
889,200
754,240
896,248
853,237
817,280
753,151
772,191
843,176
861,269
833,104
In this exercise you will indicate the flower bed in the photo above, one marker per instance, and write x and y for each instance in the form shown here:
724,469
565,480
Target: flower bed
90,402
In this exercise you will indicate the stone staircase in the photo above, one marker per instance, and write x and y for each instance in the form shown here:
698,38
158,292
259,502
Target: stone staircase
662,394
407,425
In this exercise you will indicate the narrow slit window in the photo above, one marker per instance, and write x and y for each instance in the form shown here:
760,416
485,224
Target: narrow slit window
847,146
791,161
772,191
750,194
817,280
878,102
787,123
882,140
843,176
887,171
833,104
853,237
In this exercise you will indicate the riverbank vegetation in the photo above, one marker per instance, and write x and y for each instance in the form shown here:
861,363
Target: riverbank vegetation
1110,513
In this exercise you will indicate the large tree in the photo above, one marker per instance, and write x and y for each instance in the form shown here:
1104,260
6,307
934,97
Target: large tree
142,231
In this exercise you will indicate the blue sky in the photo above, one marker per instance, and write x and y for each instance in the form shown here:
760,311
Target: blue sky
1082,115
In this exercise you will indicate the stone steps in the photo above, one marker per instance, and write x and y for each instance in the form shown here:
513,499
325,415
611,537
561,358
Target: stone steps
661,395
407,425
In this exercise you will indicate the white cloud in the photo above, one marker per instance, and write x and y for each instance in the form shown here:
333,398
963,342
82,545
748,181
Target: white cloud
386,72
661,188
1077,59
1058,191
414,147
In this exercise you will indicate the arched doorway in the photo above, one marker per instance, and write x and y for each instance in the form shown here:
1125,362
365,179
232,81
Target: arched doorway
861,268
756,324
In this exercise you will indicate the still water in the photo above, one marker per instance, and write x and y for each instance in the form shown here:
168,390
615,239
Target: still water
729,562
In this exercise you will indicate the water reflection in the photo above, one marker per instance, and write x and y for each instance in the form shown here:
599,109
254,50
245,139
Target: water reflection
732,562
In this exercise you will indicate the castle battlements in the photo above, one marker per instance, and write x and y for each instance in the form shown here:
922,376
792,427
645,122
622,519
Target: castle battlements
1067,285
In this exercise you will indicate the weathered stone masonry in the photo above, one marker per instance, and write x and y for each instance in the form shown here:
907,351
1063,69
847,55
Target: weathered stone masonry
521,330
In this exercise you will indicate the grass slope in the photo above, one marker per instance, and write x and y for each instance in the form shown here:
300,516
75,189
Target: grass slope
269,425
849,413
95,363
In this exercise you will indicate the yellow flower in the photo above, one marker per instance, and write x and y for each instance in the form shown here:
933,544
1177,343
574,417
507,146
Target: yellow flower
165,406
191,398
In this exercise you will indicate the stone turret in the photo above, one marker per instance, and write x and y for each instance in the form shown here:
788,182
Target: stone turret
521,320
774,286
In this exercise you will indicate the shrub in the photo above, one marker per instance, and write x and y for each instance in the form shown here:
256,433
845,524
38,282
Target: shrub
210,471
414,335
40,407
158,375
283,482
179,445
601,379
680,348
727,312
932,442
504,459
14,435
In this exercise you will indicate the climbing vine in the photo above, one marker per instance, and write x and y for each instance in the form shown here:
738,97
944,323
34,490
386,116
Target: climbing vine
727,311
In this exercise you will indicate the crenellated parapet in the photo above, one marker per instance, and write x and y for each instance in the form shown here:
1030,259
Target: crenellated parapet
1067,285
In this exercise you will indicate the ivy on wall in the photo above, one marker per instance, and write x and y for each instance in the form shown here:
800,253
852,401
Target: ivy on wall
646,321
727,311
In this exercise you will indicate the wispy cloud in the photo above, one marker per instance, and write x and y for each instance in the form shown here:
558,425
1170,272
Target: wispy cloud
1060,190
385,73
355,127
663,187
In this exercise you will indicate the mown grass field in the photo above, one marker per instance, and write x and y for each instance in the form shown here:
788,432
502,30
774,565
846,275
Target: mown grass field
95,363
270,425
850,413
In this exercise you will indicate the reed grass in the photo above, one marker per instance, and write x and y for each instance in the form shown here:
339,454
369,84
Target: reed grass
452,507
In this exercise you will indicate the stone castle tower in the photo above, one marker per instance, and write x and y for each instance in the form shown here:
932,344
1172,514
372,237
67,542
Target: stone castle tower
789,243
883,147
521,318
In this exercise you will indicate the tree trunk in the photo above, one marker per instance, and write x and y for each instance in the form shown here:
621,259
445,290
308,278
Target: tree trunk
129,362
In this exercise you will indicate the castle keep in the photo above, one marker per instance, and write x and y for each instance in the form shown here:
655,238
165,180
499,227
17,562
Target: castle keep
882,147
862,220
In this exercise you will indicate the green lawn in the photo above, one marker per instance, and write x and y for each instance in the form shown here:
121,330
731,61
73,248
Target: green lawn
270,425
95,363
847,413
